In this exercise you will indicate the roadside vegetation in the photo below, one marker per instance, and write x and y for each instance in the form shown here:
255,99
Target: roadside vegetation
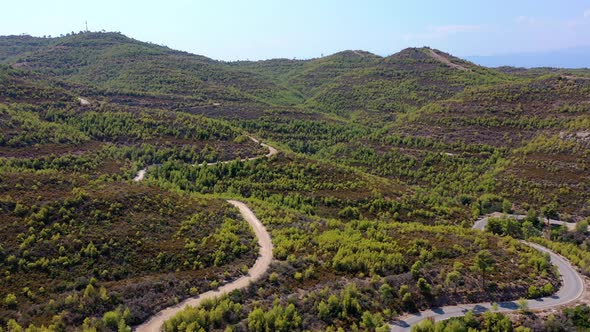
568,319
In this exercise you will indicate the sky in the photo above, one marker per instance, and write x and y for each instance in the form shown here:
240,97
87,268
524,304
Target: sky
263,29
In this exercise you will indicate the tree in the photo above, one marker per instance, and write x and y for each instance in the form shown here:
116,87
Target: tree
484,262
323,311
13,326
427,325
533,292
582,226
548,289
549,211
513,228
424,286
10,300
349,213
368,321
256,321
523,304
494,226
350,303
387,294
529,230
408,300
496,322
506,206
416,267
453,279
533,217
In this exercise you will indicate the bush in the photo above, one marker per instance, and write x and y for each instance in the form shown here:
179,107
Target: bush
424,286
523,305
10,300
533,292
349,213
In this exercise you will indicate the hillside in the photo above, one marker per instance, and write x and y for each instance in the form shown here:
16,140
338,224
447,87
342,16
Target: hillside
14,46
356,81
383,165
112,61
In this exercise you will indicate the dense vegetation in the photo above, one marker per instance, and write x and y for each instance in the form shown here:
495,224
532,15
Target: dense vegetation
568,319
385,162
80,239
76,248
364,273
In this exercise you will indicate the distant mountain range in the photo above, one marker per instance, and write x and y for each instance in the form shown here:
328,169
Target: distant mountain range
577,57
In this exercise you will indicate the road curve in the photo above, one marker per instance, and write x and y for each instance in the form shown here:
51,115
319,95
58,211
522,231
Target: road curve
259,268
572,289
481,223
271,152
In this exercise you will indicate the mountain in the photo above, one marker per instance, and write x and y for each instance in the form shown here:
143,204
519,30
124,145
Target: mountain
309,75
112,61
401,82
358,81
344,83
383,165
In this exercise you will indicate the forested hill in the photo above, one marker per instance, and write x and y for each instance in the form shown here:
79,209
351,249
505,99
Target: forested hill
352,81
384,164
114,62
342,83
369,111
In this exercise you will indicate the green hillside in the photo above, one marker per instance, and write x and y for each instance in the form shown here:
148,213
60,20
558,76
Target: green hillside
383,165
112,61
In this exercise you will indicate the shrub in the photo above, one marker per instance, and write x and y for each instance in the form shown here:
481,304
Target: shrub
10,300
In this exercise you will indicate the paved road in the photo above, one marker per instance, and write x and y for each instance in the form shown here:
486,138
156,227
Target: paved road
481,223
256,272
572,288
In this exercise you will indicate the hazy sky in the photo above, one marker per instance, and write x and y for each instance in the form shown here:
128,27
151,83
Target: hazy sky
261,29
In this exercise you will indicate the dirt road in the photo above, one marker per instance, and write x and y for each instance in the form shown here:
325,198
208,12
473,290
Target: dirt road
271,152
446,61
256,272
140,175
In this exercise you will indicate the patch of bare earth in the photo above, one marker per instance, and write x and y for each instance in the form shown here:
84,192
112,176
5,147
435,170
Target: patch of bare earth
574,77
446,61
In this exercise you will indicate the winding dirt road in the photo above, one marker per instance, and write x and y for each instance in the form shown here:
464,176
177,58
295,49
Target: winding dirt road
271,152
259,268
256,272
572,289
